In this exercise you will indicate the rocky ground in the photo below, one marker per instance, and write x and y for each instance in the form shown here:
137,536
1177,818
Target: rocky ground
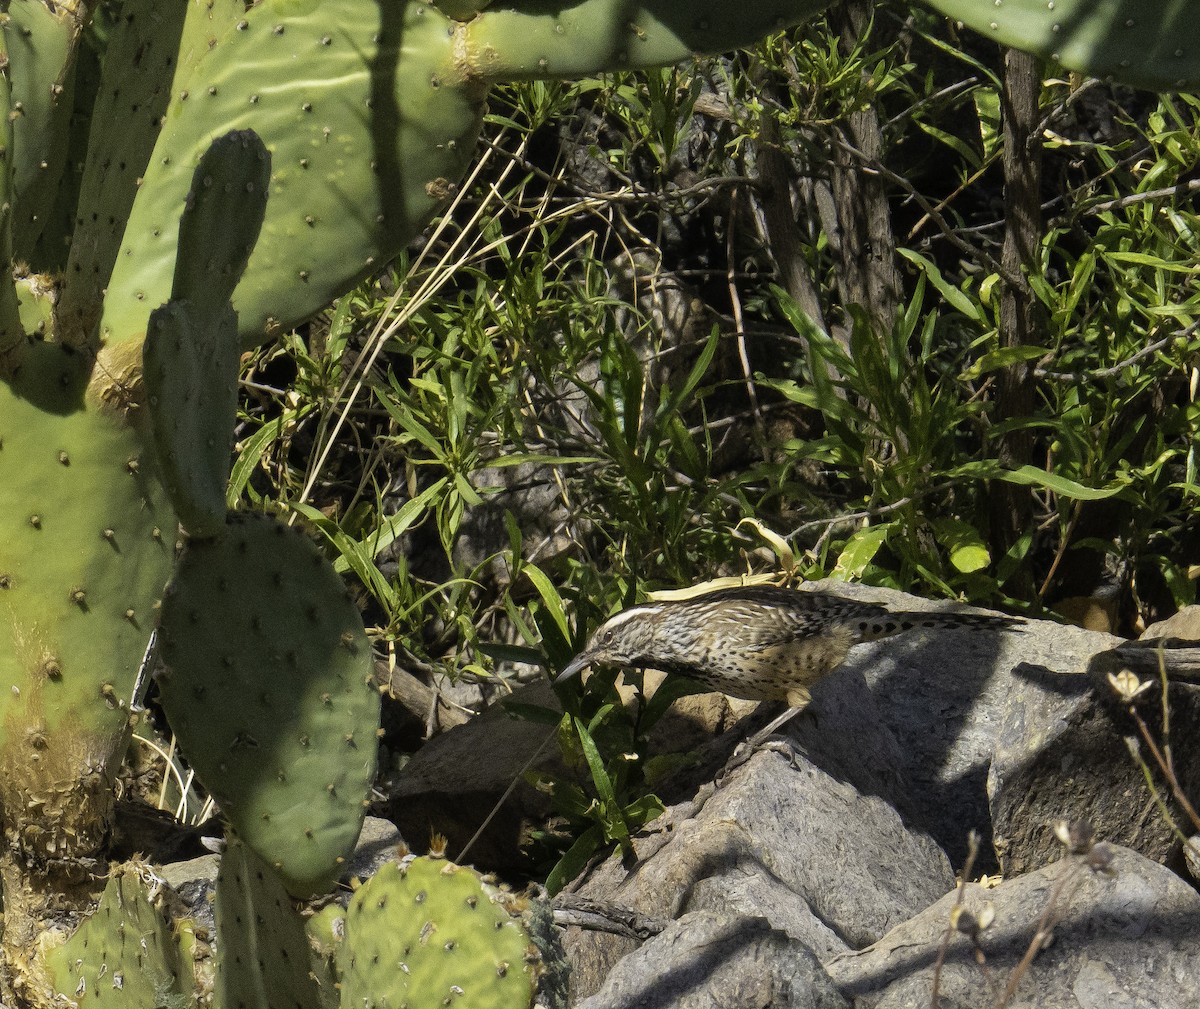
823,873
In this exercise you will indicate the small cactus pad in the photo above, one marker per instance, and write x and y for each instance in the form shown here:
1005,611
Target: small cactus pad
124,956
132,95
221,220
267,682
1154,46
191,366
87,542
426,933
519,41
41,45
191,351
262,950
325,930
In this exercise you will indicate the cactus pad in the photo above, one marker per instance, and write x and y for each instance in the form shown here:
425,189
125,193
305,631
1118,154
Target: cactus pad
262,950
134,89
1152,46
267,682
191,351
191,386
124,956
585,37
221,220
428,933
368,131
88,544
41,45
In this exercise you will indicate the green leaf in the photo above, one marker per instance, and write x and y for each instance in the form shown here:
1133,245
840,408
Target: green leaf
576,857
252,451
994,360
551,598
410,513
953,296
967,549
1031,476
859,551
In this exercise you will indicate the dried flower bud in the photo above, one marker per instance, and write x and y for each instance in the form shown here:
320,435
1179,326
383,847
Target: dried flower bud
1127,686
1075,835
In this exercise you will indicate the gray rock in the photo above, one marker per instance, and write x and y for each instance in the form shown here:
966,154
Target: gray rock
1185,624
710,960
1123,940
1061,754
825,865
453,783
377,845
943,695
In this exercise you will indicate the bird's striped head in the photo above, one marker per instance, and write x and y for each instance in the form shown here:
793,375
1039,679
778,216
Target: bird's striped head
625,639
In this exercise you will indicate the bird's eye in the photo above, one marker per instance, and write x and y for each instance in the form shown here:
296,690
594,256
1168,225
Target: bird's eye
608,637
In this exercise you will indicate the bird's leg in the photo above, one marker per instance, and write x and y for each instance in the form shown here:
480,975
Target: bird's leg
769,736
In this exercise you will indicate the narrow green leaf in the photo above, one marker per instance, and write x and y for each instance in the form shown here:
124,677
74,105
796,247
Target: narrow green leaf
550,597
1031,476
576,857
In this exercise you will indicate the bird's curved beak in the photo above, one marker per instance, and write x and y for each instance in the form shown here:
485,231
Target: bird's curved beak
573,668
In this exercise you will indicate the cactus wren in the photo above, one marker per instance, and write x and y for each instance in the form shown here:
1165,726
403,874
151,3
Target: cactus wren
759,642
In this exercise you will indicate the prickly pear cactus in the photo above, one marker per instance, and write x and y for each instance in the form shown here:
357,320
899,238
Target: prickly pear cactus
88,543
425,932
371,112
41,44
325,929
125,955
369,129
191,352
267,682
262,950
1153,46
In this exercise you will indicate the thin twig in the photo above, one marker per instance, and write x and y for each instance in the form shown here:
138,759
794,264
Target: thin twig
572,909
1182,189
512,787
1116,369
944,946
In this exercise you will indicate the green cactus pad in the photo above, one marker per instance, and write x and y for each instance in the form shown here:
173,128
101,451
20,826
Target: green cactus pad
429,933
1150,45
49,252
221,220
325,930
267,682
191,351
88,544
124,956
262,950
41,47
135,87
12,334
191,385
369,132
585,37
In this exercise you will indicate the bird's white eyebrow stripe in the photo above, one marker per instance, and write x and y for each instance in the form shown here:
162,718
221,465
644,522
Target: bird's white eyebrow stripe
624,615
